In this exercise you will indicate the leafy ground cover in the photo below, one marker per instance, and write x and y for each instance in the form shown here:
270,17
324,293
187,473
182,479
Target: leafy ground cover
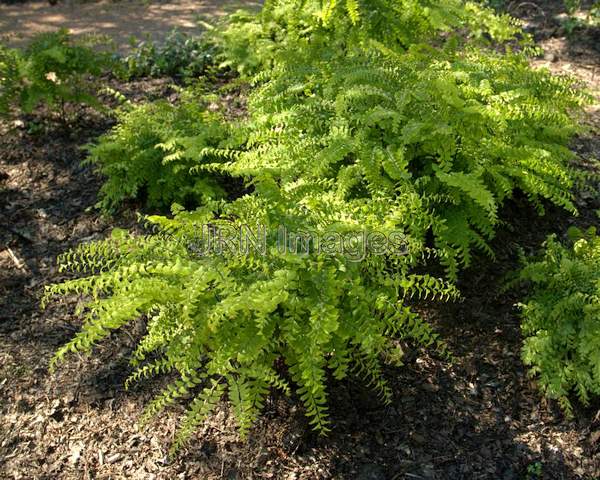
479,417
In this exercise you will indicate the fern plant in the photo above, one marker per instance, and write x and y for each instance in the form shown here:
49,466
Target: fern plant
382,97
561,317
245,43
461,129
252,43
150,151
224,322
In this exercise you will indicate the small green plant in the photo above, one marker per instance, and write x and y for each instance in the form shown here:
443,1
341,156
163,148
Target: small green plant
561,317
595,12
149,153
571,24
576,20
53,70
179,55
534,471
571,6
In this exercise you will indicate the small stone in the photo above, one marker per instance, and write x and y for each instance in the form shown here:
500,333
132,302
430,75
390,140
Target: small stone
473,390
75,453
430,387
115,457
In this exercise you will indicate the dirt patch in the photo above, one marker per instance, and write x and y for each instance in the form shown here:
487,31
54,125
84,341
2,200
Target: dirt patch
118,20
565,52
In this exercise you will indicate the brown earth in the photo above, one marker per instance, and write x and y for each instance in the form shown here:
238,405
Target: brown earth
478,417
118,20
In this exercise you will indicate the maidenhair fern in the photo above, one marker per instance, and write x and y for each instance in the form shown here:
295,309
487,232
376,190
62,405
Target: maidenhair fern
561,318
150,152
460,130
253,43
221,322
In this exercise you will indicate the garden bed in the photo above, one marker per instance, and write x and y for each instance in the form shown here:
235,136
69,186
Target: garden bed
478,416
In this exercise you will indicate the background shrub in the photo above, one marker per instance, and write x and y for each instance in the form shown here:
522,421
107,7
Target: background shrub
179,55
53,70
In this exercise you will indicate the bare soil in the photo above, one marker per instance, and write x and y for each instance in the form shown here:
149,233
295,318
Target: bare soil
478,417
117,20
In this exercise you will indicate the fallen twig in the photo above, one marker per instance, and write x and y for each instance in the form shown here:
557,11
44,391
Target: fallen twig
18,263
